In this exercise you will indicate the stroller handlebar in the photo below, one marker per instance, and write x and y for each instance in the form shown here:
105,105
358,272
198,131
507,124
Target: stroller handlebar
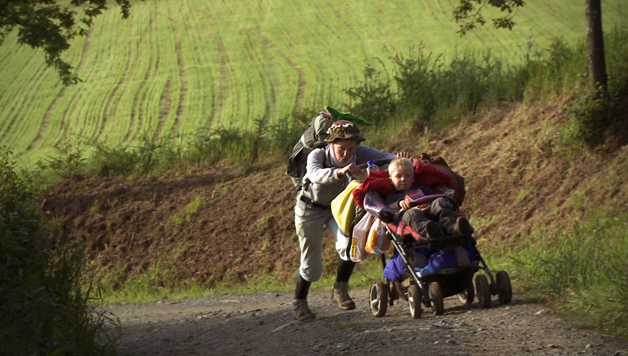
379,162
362,166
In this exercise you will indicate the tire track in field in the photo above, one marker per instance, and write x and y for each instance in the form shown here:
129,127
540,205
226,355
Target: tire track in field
316,38
137,111
118,85
248,5
428,4
165,99
536,27
558,14
431,5
387,16
216,97
268,97
51,109
227,74
11,110
343,21
298,104
182,76
404,9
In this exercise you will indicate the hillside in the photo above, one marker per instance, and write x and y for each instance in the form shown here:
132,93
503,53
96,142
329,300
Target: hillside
208,224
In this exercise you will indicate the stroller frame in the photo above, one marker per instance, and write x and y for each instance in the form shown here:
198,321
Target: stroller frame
430,290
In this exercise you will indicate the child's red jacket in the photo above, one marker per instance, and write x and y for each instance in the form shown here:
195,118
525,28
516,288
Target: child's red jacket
379,181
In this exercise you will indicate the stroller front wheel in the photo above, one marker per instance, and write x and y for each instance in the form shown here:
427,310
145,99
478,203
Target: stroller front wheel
483,291
378,298
436,297
504,288
415,297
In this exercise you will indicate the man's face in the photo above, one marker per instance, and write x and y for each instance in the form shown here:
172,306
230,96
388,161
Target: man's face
401,178
344,149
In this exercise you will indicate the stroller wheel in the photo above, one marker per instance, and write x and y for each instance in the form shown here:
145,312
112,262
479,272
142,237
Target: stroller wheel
436,296
378,298
415,297
467,296
504,289
483,290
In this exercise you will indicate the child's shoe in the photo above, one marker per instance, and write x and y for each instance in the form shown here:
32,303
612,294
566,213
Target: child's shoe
433,230
463,227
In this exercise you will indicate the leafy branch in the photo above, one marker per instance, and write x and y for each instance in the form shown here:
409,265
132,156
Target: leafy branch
48,25
469,13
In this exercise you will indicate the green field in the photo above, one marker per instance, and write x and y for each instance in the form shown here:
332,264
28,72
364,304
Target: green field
181,66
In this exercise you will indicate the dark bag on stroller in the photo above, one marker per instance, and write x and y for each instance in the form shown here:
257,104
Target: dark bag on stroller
394,270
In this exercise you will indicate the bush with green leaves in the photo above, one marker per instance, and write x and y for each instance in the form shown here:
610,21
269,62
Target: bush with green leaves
46,307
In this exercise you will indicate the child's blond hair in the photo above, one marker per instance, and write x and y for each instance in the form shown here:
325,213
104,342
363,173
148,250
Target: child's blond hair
399,163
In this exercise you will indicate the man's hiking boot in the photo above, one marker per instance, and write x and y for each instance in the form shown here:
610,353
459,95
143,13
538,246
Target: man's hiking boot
301,311
433,230
463,227
340,295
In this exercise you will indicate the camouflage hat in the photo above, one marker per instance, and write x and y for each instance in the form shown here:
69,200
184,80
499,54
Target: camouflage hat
343,130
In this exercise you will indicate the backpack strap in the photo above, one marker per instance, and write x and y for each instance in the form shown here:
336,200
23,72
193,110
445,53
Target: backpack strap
302,190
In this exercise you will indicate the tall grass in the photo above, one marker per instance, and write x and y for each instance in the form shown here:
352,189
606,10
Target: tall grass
224,146
592,118
582,273
432,91
438,92
47,306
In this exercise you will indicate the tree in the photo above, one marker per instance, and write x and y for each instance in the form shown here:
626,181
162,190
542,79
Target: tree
595,49
469,13
51,25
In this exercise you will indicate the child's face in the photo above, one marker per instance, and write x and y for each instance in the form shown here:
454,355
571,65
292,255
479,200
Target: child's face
402,179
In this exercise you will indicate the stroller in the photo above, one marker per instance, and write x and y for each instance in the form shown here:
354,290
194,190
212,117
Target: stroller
418,288
430,289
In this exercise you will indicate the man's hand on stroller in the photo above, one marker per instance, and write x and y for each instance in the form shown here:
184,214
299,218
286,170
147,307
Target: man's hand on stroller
404,154
352,169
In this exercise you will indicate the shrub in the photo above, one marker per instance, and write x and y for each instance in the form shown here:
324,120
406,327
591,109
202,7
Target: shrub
45,307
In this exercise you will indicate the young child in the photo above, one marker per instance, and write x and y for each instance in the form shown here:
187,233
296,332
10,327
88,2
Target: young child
405,179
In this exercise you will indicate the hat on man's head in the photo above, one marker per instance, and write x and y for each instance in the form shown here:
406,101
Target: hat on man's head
343,130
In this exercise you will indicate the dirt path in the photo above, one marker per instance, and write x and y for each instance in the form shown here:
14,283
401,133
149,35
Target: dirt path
262,324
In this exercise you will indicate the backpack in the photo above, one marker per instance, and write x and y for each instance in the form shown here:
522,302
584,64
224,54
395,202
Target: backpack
456,179
313,137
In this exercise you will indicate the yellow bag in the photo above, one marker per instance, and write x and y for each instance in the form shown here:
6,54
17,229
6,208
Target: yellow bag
343,208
